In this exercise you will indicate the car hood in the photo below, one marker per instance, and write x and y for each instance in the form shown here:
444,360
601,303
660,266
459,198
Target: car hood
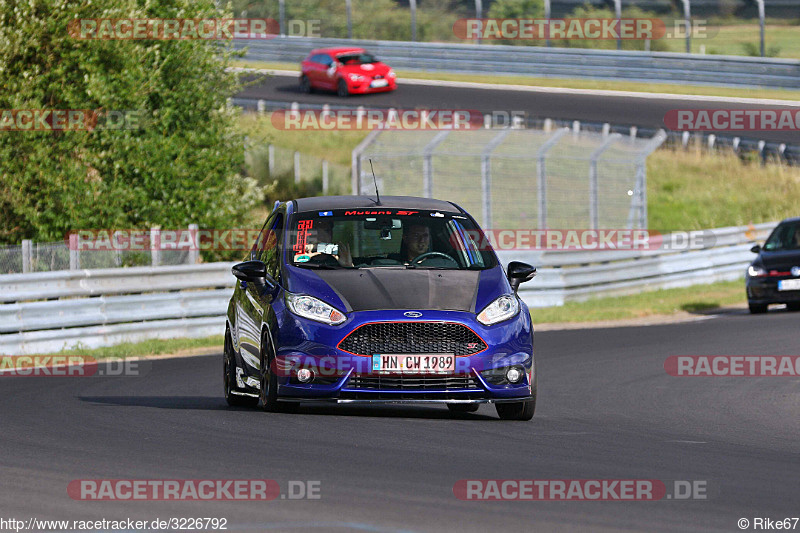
781,261
369,69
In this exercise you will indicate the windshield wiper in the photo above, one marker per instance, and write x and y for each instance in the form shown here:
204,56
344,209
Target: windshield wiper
319,266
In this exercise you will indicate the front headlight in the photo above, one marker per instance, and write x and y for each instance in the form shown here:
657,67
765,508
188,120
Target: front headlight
501,309
356,77
391,74
314,309
756,271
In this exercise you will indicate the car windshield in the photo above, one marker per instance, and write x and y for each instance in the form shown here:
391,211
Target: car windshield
377,238
785,237
356,59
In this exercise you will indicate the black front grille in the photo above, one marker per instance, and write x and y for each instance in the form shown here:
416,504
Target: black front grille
409,383
411,338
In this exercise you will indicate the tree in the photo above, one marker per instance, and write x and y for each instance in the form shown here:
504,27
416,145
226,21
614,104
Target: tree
517,9
181,164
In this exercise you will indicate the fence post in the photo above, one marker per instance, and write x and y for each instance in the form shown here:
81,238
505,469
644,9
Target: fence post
271,160
355,161
593,207
282,16
349,9
413,5
761,24
541,175
687,15
74,253
297,167
325,176
427,162
618,13
547,17
27,255
194,250
155,244
486,175
479,15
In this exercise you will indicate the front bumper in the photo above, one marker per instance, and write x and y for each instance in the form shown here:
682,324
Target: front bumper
762,291
348,378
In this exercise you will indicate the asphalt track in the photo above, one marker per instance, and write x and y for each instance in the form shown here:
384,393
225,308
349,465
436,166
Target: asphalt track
622,110
607,410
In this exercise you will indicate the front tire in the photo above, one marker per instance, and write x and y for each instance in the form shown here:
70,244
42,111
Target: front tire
517,410
305,85
342,89
229,378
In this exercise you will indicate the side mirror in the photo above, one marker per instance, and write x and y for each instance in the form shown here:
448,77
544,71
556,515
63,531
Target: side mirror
250,271
756,249
519,273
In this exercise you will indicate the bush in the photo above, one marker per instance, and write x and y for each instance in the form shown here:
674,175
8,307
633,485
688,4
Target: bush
183,165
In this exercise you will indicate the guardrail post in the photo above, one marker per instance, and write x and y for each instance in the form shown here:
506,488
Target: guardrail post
541,173
486,175
606,129
413,5
427,162
194,250
271,160
155,245
27,255
325,176
349,10
297,167
261,106
593,207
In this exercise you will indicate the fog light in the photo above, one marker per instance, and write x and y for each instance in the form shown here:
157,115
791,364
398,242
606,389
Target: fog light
514,375
304,375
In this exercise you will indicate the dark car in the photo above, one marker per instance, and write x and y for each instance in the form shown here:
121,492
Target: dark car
774,276
346,299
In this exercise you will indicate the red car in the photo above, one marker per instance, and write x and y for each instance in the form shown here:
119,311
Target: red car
346,71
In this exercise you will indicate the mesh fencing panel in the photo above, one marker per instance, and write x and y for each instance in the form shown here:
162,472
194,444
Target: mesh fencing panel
517,178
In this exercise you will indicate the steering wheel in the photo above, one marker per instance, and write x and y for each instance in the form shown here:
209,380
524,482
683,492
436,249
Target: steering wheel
420,258
323,259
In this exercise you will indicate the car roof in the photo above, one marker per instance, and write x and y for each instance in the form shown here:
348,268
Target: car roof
327,203
790,220
336,51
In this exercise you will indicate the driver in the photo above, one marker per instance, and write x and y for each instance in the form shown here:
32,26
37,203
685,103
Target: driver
796,240
416,241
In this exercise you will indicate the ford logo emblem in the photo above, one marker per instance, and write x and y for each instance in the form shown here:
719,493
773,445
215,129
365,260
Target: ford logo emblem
412,314
796,271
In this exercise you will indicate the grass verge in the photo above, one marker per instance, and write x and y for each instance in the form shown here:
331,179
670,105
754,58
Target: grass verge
149,347
695,299
569,83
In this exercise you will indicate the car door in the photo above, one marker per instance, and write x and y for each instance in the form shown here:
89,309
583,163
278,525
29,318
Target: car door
327,72
258,297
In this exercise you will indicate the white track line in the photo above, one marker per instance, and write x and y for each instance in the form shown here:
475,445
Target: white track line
562,90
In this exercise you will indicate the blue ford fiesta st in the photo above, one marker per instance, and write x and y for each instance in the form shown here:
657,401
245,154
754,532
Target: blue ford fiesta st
395,300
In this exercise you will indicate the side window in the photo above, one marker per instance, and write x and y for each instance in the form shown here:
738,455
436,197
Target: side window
326,60
271,246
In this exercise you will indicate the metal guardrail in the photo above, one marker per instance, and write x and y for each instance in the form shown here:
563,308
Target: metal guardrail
664,67
48,311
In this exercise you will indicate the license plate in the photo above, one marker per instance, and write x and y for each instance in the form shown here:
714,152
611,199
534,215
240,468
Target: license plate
379,83
414,363
789,285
